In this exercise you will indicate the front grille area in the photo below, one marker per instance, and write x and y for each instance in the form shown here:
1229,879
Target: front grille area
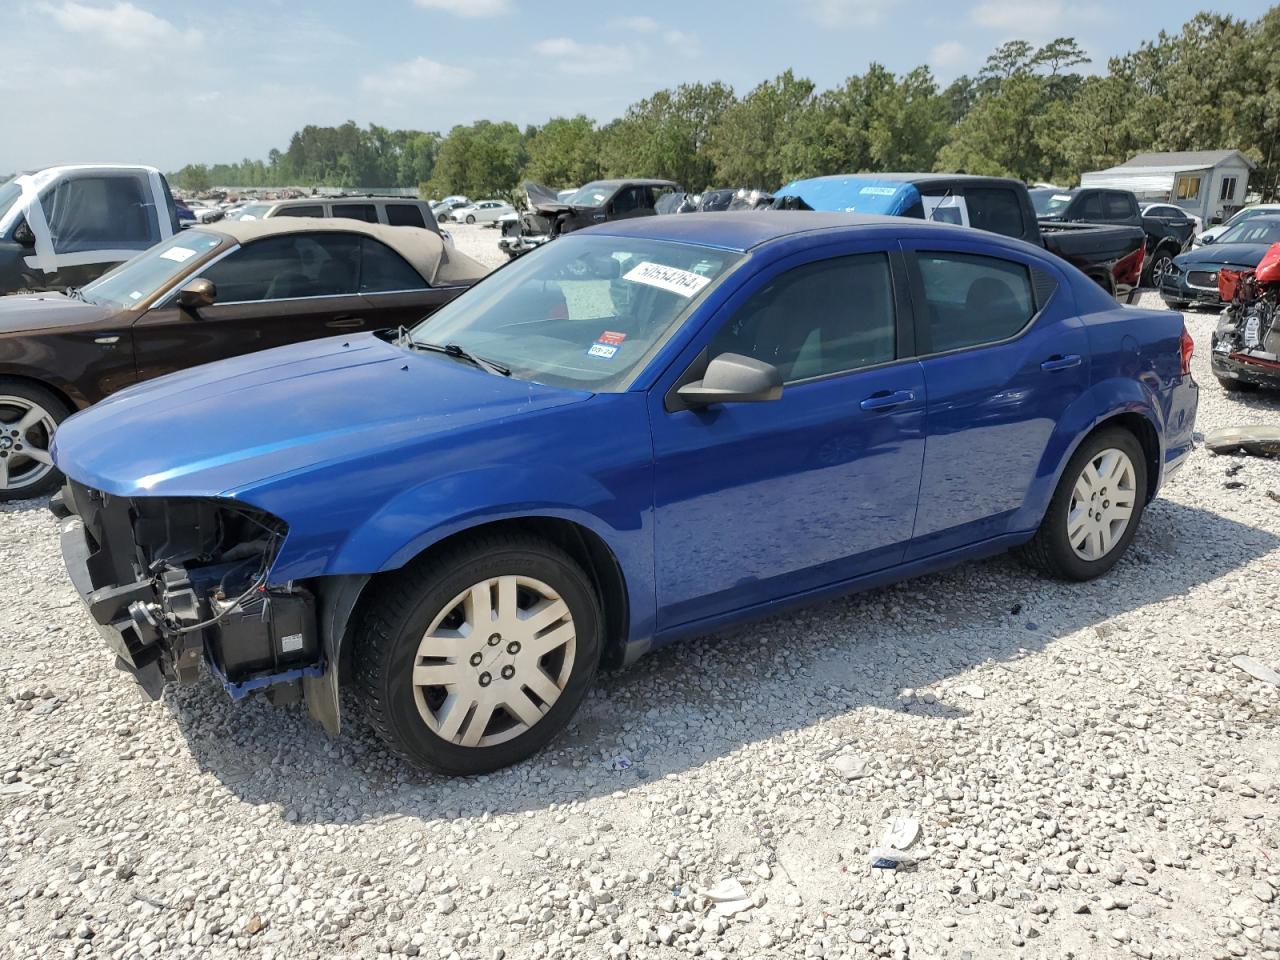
1203,278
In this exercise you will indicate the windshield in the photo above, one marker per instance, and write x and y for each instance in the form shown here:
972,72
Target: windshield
581,312
9,194
1049,203
1248,213
151,270
1257,231
590,195
253,211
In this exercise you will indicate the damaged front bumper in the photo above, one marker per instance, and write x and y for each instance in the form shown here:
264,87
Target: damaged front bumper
171,583
1257,367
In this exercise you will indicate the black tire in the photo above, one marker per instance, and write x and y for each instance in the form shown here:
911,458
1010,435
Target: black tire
1178,305
1152,276
402,608
58,410
471,218
1232,385
1049,550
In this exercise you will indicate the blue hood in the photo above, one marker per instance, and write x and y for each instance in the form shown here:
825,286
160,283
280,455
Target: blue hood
227,425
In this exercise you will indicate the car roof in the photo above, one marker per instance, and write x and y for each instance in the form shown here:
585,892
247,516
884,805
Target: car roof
967,179
742,230
633,181
423,248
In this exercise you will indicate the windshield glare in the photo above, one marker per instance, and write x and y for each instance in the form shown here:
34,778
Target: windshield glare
148,272
581,312
9,194
1049,203
253,211
590,195
1256,232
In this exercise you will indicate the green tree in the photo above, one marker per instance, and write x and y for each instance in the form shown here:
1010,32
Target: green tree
564,152
748,144
480,159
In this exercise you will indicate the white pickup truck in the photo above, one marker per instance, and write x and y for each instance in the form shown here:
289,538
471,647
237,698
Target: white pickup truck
64,226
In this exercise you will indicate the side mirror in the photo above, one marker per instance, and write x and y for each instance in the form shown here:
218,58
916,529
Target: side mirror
197,293
23,234
733,378
1205,238
1215,220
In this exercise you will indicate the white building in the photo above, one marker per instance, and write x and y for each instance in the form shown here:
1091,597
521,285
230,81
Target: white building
1209,183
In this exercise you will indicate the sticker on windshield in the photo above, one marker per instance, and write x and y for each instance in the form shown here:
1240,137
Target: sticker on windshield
610,336
135,295
602,350
1062,196
178,254
671,279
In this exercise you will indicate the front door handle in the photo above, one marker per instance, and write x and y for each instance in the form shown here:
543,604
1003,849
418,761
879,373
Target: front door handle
345,323
884,399
1061,363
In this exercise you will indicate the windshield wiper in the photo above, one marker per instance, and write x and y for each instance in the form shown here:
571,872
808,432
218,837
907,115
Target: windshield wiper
456,350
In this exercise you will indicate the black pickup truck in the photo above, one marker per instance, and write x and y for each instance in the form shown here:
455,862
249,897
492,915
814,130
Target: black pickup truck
1111,255
1166,238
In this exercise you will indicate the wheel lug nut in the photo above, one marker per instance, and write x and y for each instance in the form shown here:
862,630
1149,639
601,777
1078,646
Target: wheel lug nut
513,647
495,639
508,672
476,659
485,679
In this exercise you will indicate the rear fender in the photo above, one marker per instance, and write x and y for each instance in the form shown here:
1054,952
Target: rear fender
1101,402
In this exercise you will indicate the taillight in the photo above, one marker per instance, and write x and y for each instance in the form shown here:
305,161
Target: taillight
1188,348
1129,269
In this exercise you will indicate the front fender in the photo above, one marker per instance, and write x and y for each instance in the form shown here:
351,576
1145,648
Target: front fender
1102,401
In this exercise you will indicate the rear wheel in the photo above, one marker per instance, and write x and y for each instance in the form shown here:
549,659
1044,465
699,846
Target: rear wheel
1231,385
471,218
1095,511
475,658
29,414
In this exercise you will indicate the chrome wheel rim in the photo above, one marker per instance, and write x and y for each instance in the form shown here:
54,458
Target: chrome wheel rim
1102,504
26,431
1159,269
494,661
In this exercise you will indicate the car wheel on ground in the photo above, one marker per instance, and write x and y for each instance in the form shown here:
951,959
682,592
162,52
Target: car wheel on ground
471,218
473,658
1095,511
1160,265
29,414
1231,385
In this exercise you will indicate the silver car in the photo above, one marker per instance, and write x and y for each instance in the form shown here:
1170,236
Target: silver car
482,211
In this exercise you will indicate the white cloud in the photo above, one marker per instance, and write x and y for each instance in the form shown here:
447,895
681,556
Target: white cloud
949,53
121,25
639,24
1019,16
467,8
685,44
847,13
418,76
584,58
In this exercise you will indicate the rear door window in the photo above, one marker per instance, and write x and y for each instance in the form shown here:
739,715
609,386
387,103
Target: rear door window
973,299
288,267
996,210
109,212
305,210
356,211
404,215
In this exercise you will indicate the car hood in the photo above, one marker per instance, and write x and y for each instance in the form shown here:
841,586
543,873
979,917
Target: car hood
23,312
227,425
1244,254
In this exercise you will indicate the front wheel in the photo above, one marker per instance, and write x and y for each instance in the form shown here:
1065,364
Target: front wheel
475,658
1160,265
471,218
29,414
1095,511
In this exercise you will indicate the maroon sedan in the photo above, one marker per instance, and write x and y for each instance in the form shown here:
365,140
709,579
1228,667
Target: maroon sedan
207,293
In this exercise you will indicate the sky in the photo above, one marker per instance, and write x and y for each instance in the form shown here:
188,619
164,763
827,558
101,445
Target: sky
168,83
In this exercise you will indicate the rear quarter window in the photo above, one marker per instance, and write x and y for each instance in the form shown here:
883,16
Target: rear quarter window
996,210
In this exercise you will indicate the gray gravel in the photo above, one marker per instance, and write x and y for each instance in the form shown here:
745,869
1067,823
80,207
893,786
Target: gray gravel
1091,777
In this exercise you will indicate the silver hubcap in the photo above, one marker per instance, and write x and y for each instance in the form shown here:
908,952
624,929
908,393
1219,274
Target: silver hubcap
1101,504
26,430
494,661
1159,269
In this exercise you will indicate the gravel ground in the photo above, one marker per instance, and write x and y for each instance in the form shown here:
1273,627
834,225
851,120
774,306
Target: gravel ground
1091,777
479,242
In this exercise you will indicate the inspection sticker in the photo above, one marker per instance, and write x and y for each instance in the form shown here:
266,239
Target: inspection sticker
878,191
610,336
602,350
178,254
671,279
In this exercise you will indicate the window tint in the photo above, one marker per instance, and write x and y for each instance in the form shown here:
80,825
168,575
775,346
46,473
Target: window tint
383,270
100,213
996,210
818,319
309,210
629,199
357,211
296,265
973,299
404,215
1117,206
1090,208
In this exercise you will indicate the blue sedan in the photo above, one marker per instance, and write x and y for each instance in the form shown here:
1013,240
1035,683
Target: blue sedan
640,431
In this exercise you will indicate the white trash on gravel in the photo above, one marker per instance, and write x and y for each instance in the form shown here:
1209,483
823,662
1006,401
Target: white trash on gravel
1113,791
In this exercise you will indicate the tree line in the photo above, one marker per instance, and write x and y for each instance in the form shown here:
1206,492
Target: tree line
1028,113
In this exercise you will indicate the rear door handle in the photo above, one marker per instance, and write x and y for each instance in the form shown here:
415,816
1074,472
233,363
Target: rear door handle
1061,363
345,323
884,399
